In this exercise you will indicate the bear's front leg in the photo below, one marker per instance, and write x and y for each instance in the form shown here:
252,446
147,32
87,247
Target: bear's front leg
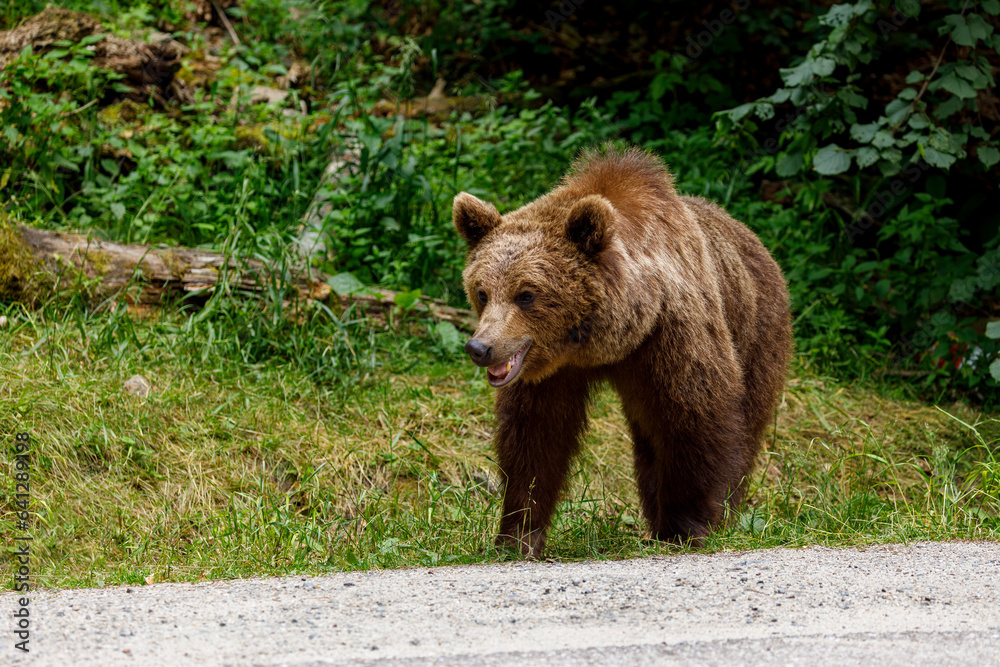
538,432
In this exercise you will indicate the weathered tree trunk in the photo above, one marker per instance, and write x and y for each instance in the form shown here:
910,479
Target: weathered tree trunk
32,260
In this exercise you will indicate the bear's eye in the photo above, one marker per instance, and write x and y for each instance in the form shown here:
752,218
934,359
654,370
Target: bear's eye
481,295
524,299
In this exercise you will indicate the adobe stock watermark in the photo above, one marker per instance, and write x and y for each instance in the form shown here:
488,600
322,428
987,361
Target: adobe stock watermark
566,9
22,540
697,44
898,18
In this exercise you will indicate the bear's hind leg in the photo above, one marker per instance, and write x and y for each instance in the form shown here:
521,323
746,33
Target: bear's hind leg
685,475
701,470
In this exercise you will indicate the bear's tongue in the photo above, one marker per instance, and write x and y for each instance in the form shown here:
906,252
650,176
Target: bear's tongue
503,372
500,372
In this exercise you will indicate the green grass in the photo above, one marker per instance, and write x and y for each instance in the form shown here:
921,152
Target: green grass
232,469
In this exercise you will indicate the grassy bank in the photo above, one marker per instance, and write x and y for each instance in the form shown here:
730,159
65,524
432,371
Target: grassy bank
232,469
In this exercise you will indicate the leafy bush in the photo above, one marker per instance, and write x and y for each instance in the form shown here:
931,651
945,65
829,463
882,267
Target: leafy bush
899,182
139,176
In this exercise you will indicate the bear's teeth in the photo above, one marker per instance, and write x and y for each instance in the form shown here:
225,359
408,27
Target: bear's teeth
508,367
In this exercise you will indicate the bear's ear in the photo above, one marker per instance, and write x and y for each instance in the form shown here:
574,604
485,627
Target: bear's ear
473,217
589,225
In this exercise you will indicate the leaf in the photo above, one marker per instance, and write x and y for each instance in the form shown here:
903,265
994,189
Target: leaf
972,74
948,107
959,30
891,156
896,110
406,300
824,66
838,15
991,6
796,76
962,289
979,28
737,114
764,111
911,8
919,121
995,370
993,329
789,164
851,98
863,134
941,139
915,76
936,158
866,156
118,210
831,160
345,283
988,155
883,139
956,86
449,335
661,84
61,160
989,270
780,96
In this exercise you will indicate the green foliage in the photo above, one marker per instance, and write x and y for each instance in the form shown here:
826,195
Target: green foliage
895,245
669,101
40,140
390,218
931,117
142,176
448,39
127,13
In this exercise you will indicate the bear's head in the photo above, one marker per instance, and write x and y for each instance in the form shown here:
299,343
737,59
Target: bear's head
531,275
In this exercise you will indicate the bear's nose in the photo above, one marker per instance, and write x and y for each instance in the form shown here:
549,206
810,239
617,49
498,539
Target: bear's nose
479,352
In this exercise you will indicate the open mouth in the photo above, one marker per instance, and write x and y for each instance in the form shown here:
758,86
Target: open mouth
503,373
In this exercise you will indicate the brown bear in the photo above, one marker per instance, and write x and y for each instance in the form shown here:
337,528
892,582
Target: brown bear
615,277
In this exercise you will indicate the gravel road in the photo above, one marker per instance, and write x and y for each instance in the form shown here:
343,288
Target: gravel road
924,603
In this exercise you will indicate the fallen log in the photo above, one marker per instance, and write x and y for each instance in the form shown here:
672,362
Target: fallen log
36,261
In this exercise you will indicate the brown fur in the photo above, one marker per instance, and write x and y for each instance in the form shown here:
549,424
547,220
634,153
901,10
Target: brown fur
675,303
